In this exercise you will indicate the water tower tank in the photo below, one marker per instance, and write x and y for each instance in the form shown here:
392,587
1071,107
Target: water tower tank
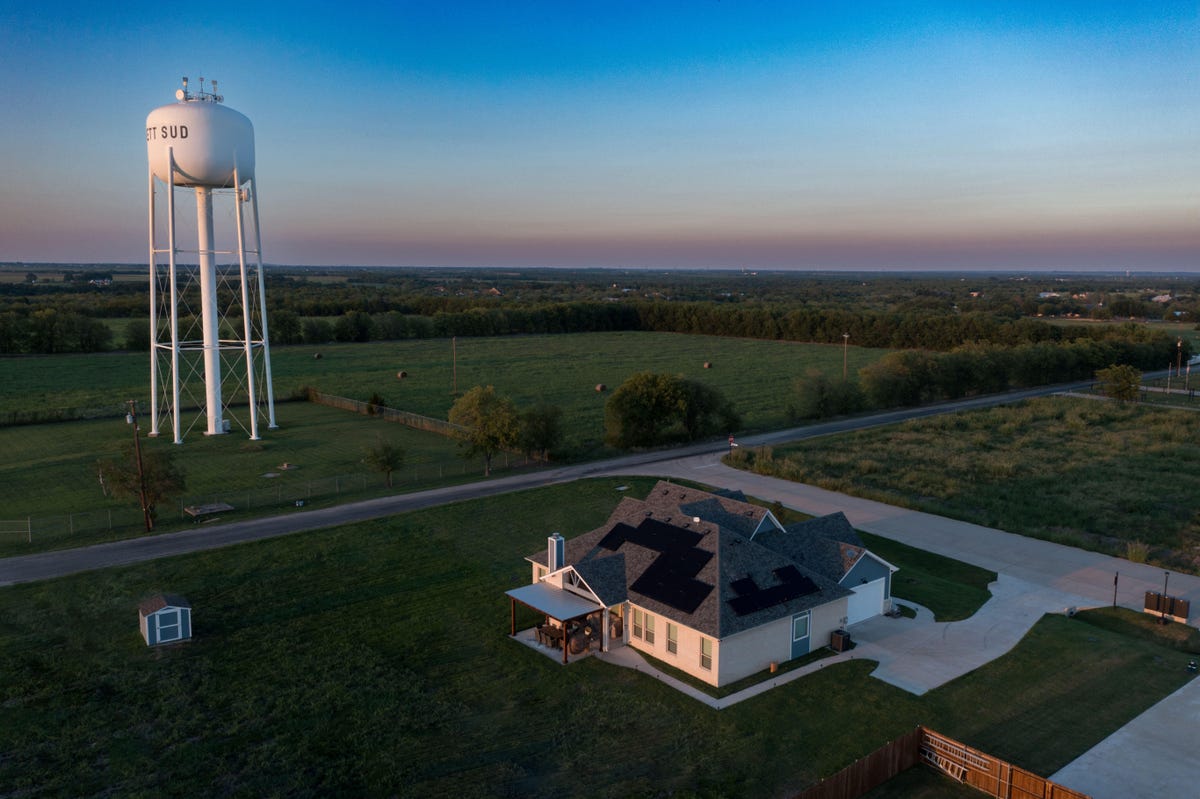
207,139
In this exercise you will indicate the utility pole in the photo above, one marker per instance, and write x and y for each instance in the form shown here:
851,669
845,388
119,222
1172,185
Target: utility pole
131,419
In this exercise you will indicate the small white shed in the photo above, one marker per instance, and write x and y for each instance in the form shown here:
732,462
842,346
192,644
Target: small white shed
165,618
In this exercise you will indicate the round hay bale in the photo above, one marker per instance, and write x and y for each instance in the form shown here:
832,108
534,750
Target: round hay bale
707,365
316,356
600,388
401,374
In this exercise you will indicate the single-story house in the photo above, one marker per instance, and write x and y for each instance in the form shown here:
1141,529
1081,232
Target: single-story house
706,582
165,618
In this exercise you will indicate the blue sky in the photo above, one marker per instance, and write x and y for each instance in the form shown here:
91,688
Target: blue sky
762,135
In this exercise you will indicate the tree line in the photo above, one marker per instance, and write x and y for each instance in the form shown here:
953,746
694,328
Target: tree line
47,330
914,377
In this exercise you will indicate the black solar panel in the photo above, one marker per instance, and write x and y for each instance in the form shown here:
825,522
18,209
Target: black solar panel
744,586
792,585
671,578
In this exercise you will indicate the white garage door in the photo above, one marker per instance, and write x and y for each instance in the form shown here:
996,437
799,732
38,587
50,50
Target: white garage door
867,601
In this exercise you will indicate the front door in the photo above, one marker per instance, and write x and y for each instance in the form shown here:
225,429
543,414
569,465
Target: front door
800,636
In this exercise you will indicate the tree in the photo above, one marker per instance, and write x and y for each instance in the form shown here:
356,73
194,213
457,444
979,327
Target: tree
285,327
384,457
1120,382
540,430
650,408
137,335
490,424
819,397
163,478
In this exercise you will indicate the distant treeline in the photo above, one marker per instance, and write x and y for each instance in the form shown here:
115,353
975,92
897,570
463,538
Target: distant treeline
55,330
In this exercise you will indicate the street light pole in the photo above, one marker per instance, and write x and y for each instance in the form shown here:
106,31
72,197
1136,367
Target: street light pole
131,418
845,353
1178,356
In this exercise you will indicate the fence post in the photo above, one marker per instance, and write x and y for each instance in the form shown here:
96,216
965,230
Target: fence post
71,523
110,519
29,528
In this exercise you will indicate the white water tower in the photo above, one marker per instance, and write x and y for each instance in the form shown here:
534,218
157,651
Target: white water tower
208,320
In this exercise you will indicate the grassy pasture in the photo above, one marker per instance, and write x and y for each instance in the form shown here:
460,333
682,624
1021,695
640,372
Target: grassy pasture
1081,472
563,370
53,471
373,660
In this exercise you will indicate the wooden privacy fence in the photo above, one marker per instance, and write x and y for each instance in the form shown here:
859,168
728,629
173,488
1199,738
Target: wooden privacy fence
960,762
413,420
871,771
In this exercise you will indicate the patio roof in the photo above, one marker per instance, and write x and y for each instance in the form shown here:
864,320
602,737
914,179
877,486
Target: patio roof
554,602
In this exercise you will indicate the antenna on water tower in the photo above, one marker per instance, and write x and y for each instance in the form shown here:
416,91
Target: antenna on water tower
203,317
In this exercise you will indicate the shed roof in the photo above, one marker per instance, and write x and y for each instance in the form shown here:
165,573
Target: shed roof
160,601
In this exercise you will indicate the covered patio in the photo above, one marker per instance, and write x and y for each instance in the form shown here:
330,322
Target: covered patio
573,624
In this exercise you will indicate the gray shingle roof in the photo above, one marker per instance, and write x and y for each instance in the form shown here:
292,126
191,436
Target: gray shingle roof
605,576
700,573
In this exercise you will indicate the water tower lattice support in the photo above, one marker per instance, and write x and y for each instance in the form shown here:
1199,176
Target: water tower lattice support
208,318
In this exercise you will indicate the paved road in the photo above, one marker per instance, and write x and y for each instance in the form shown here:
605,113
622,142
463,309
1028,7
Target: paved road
47,565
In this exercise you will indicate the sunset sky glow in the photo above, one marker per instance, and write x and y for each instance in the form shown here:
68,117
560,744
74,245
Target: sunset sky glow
953,135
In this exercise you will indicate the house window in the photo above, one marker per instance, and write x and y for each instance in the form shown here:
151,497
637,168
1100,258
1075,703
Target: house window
706,654
800,627
649,629
672,638
637,623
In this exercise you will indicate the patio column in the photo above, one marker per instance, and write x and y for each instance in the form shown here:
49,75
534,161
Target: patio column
512,616
564,641
604,629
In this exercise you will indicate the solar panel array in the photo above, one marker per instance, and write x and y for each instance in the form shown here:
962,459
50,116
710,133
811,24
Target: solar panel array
792,585
671,578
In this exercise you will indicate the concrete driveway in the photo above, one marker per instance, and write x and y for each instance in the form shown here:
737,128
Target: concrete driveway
920,654
1155,755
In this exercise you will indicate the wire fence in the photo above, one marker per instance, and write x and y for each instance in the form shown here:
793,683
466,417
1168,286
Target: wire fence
90,526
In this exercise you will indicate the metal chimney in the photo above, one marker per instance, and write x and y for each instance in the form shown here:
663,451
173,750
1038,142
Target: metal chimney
555,552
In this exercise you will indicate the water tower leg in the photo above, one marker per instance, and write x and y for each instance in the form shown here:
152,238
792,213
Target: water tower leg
262,304
208,311
153,310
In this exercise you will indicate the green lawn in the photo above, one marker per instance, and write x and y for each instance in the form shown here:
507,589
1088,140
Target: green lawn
373,660
953,590
1081,472
55,478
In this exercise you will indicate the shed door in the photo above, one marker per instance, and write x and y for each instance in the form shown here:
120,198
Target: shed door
866,601
168,625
